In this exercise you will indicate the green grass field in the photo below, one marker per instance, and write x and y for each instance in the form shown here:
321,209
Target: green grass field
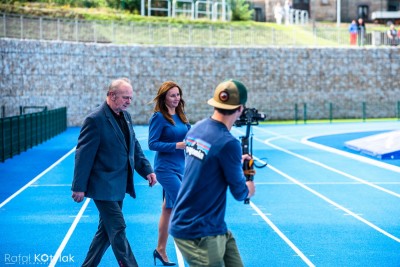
112,25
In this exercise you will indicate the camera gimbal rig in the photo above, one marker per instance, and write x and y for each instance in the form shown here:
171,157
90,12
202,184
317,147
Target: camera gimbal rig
249,117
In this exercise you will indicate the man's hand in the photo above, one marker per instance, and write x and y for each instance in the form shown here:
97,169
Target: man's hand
250,172
251,187
246,157
248,168
78,196
152,179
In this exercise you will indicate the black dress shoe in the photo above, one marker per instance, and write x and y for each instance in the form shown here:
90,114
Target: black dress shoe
157,255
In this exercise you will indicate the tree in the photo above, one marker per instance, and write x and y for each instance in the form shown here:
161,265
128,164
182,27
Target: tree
241,10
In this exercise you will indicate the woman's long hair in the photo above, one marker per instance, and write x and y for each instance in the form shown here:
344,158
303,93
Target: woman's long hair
160,105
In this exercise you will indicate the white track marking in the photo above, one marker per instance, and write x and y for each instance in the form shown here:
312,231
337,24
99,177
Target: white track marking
347,211
36,178
369,161
326,183
69,233
181,262
50,185
360,158
351,155
282,235
267,142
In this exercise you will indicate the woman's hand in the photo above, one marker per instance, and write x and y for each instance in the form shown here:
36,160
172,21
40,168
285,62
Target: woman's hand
180,145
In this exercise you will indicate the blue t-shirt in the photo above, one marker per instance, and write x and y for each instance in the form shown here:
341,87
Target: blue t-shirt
163,137
353,28
213,163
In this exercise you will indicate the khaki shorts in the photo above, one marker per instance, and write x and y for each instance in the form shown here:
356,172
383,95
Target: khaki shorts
213,251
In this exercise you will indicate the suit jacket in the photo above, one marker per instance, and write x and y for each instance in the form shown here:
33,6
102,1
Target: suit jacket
103,160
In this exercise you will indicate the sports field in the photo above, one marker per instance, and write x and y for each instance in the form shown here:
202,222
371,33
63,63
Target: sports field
316,204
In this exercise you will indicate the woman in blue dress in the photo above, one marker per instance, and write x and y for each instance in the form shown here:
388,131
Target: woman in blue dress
167,129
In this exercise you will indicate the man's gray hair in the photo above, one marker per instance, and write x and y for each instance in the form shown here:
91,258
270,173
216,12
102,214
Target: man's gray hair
115,84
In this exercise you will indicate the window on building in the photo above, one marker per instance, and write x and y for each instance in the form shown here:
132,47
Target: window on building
362,11
393,5
301,4
258,16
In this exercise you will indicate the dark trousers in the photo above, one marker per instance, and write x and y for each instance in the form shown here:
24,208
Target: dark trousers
111,231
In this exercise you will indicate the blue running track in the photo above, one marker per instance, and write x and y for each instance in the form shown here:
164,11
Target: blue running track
316,204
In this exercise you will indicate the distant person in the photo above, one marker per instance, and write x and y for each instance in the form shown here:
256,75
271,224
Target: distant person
213,163
278,13
287,10
107,154
353,30
361,31
167,129
392,35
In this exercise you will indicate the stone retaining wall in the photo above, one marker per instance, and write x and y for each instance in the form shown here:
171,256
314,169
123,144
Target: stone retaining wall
76,75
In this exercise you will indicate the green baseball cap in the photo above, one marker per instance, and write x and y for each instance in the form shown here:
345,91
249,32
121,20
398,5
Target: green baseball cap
229,95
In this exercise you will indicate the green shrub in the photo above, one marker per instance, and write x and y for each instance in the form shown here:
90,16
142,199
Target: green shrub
241,10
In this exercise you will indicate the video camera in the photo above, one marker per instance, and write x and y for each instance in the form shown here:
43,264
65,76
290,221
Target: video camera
249,117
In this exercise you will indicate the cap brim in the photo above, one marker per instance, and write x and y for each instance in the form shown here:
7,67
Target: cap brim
216,104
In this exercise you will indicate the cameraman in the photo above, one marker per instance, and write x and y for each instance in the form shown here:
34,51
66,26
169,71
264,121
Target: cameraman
213,162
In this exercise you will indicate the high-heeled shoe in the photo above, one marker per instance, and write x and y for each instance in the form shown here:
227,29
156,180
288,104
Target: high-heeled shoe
157,255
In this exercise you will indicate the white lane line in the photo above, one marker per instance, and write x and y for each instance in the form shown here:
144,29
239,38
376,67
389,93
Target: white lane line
324,183
347,211
50,185
267,142
36,178
360,158
350,155
282,235
69,233
181,261
69,185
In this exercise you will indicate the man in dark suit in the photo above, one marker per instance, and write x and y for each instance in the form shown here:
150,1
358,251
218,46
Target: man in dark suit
106,156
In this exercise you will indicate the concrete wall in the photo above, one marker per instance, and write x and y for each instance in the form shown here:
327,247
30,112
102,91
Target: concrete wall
76,75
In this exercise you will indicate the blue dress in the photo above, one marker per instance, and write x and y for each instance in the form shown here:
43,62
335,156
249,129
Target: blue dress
169,162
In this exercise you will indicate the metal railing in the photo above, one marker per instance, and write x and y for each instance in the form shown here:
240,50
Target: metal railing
19,133
41,28
329,112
